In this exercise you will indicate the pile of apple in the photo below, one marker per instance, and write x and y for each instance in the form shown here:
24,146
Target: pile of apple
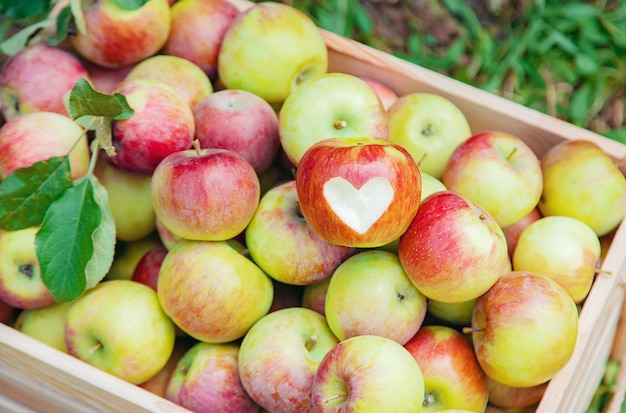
294,240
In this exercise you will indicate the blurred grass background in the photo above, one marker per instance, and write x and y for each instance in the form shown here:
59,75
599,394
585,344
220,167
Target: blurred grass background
564,58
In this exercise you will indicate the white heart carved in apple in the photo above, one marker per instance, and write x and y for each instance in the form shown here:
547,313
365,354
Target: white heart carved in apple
354,205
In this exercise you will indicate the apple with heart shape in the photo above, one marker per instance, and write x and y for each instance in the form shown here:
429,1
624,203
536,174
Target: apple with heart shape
358,192
162,123
508,397
38,136
21,285
506,165
114,36
191,274
453,379
270,49
563,248
280,354
205,194
331,105
206,379
182,75
360,302
512,232
147,269
314,296
197,30
45,324
143,338
281,241
25,85
524,329
368,374
582,181
240,121
130,200
430,127
385,93
453,250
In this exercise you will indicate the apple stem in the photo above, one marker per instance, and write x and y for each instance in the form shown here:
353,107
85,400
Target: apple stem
340,124
196,146
311,342
95,348
472,330
601,271
508,158
419,164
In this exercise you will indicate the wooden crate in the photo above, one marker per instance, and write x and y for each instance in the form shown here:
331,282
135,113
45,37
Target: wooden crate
35,377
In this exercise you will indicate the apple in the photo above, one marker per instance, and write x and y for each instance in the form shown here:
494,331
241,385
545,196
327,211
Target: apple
453,250
359,301
158,383
167,237
106,79
280,355
182,75
563,248
583,182
119,327
269,49
314,296
459,314
115,37
127,256
129,200
503,163
197,30
360,192
8,313
453,379
206,379
385,93
524,329
25,80
430,185
45,324
211,291
240,121
331,105
430,127
509,397
512,232
148,267
38,136
162,123
368,374
285,246
21,285
205,194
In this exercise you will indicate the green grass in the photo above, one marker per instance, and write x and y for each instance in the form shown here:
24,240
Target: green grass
567,59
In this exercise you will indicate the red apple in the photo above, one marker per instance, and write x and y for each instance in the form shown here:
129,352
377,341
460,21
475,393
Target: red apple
147,269
385,93
240,121
205,194
453,379
161,124
453,251
36,78
358,192
8,313
509,397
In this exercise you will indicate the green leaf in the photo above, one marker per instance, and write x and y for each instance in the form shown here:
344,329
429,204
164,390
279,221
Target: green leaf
63,22
20,40
64,243
130,4
361,17
84,100
103,238
580,102
585,64
24,10
27,193
104,136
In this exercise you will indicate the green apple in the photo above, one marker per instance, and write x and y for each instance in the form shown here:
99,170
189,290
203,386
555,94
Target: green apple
430,127
119,327
524,329
331,105
269,49
21,285
280,355
563,248
211,291
499,172
368,374
46,324
359,301
459,314
430,185
582,181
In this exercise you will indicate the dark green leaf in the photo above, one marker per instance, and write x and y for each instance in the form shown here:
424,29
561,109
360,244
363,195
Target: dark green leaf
130,4
24,9
617,34
21,39
361,17
27,193
64,244
63,22
86,101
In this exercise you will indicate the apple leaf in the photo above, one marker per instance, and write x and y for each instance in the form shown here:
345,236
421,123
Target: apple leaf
84,100
105,138
24,10
103,239
64,244
20,40
63,23
130,4
26,194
